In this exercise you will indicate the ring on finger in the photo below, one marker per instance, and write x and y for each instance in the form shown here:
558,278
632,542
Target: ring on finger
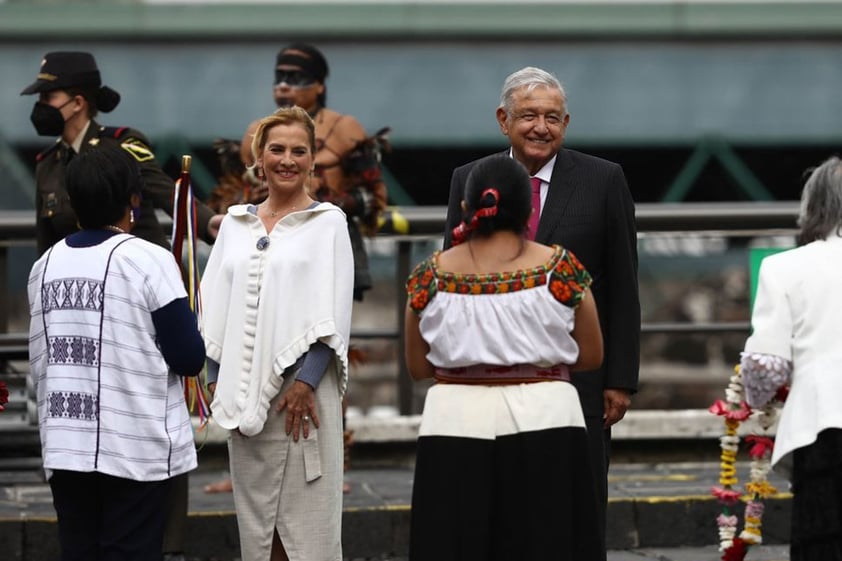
305,418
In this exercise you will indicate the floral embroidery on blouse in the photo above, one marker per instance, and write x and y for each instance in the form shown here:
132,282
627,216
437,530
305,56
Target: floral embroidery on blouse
567,280
420,286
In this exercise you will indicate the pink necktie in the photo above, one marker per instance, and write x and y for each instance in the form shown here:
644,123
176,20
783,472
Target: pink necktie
536,208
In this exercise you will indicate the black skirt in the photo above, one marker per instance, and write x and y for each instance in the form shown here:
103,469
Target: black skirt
485,491
817,499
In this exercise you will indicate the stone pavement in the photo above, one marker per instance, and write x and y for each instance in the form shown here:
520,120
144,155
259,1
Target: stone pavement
657,511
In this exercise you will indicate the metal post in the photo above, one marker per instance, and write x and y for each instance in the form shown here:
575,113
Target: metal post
404,381
4,289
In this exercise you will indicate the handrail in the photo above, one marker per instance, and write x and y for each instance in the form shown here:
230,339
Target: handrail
17,225
426,222
650,217
14,346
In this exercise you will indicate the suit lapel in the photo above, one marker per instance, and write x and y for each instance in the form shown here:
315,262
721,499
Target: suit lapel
560,191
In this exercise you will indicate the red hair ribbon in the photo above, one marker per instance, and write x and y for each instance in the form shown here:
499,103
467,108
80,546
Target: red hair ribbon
461,231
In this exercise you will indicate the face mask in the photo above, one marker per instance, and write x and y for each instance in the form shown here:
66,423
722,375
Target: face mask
48,120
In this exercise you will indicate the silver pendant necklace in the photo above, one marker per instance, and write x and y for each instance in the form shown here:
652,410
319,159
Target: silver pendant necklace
275,213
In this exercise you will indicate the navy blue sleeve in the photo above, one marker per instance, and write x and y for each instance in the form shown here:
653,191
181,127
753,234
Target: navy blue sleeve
179,339
315,364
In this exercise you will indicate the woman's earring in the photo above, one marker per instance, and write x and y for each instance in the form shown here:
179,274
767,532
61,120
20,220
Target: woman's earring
131,216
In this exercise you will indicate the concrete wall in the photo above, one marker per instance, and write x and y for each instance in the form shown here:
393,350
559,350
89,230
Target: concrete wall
637,72
446,93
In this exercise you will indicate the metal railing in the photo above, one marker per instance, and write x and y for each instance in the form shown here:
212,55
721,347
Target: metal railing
426,223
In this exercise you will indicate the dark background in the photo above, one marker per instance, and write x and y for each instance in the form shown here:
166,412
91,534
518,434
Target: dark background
424,172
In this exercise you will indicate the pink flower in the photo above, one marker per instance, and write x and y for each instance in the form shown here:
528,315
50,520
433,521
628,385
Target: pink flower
763,446
754,509
729,411
726,496
726,521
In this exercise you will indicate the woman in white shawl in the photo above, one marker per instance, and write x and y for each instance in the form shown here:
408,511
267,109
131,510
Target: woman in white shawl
277,294
796,321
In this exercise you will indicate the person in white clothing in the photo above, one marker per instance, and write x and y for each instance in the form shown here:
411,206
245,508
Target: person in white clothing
796,322
278,293
499,322
111,331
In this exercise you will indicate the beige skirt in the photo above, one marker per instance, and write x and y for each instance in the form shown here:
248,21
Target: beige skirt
292,487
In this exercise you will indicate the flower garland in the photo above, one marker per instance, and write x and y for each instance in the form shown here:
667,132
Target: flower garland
735,411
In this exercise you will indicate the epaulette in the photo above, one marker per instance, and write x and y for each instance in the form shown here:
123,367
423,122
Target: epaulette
47,151
135,145
113,132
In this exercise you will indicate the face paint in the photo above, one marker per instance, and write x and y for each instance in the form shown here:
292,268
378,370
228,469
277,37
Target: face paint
294,78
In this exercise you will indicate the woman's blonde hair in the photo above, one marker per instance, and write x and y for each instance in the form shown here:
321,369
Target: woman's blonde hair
293,115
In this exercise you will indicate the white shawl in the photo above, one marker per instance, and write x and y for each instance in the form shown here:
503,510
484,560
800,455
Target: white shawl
263,308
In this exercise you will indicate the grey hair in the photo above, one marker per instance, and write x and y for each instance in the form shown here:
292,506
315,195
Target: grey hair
820,214
531,78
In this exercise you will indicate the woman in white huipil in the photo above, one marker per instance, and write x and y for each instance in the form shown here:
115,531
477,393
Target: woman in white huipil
499,321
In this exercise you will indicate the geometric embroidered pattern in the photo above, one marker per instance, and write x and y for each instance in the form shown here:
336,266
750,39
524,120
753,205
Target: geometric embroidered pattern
72,294
73,350
72,405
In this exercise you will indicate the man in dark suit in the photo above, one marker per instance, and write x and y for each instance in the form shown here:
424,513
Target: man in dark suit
585,206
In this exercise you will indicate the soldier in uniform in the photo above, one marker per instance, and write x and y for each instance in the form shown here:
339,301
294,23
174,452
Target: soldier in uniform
70,94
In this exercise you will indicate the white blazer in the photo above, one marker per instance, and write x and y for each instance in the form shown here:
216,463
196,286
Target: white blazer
798,316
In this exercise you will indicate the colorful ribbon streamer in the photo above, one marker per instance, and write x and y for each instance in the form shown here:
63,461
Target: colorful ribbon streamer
184,236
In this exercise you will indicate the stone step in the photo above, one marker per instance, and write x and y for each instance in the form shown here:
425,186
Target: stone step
665,505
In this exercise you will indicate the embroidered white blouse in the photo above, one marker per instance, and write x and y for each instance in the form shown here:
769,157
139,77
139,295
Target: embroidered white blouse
106,399
522,317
